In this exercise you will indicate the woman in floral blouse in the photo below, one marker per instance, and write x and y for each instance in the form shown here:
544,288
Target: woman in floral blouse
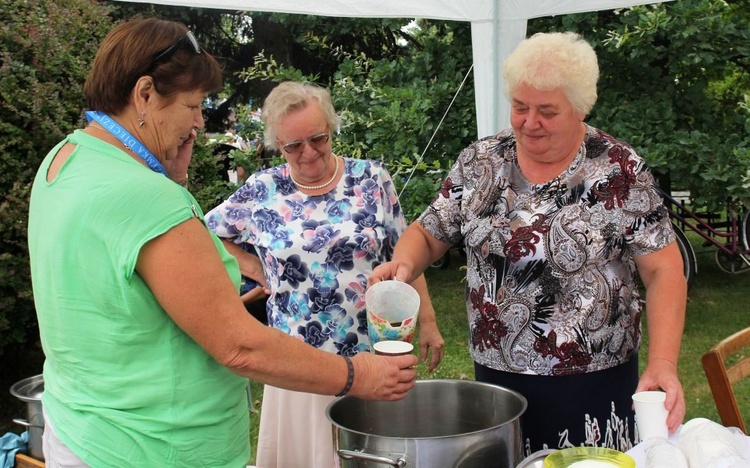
557,217
320,223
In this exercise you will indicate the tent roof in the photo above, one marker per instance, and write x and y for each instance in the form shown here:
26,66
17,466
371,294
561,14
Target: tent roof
497,26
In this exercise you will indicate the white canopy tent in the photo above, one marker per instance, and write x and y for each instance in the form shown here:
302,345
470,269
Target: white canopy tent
497,26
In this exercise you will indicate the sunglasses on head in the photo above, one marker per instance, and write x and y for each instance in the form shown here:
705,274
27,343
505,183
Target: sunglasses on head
187,39
315,141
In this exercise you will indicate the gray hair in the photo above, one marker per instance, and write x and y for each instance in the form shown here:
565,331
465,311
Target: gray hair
291,96
560,60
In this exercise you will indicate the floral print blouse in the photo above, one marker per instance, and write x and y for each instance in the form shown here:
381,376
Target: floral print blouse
317,251
551,287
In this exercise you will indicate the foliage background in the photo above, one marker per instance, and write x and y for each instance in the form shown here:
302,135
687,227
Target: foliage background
46,52
674,84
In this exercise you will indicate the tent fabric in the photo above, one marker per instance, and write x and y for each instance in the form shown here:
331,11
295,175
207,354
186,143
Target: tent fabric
497,27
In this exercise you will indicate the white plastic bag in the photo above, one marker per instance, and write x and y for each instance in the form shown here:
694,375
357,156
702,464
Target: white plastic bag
662,454
707,444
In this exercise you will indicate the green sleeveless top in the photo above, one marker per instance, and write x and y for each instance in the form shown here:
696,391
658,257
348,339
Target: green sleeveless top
123,385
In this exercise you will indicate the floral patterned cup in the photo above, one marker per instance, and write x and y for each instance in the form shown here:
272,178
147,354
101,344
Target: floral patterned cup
392,309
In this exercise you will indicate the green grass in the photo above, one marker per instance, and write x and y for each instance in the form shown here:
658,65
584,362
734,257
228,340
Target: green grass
716,308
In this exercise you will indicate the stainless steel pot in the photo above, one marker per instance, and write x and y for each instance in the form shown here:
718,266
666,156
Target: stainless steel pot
441,423
30,390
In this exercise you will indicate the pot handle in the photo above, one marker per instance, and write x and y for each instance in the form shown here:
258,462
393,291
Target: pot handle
350,454
23,422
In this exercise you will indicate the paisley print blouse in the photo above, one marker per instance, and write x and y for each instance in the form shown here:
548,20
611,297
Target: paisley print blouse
317,251
551,287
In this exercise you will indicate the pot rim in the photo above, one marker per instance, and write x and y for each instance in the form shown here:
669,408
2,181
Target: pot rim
29,389
535,458
515,419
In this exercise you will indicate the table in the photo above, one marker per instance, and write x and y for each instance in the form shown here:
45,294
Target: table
25,461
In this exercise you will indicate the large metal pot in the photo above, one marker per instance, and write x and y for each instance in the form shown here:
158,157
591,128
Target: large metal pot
441,423
30,390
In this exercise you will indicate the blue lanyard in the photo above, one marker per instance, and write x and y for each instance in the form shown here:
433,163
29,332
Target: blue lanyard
127,139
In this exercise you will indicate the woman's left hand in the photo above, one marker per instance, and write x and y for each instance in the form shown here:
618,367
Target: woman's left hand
431,343
177,168
666,295
662,374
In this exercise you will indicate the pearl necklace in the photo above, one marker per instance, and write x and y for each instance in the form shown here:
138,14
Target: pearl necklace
316,187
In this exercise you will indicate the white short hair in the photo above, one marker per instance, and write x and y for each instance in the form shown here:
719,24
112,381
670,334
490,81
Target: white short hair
560,60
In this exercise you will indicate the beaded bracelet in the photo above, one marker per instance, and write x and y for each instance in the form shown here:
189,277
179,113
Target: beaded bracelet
349,377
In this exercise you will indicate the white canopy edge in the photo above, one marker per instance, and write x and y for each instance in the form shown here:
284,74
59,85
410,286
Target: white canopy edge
497,27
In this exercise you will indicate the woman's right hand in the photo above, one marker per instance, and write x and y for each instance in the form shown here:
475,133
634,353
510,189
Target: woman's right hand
391,270
383,377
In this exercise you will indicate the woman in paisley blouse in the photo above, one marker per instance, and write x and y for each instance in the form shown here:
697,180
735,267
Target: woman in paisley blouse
320,223
557,218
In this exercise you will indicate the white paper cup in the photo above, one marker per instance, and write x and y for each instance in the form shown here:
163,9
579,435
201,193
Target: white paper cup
651,415
392,348
392,309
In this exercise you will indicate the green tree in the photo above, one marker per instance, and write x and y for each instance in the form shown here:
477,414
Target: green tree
237,38
392,107
46,50
675,82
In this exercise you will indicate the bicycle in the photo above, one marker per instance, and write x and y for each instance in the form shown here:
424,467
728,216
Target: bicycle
728,231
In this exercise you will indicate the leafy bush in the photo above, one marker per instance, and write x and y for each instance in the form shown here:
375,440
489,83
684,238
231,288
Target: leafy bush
47,46
206,183
674,84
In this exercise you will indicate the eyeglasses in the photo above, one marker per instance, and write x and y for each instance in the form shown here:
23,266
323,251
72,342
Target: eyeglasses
187,39
294,147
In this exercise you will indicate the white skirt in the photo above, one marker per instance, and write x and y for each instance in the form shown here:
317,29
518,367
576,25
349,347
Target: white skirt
294,431
56,453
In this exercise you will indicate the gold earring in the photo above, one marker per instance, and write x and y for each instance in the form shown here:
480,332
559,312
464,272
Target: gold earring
141,120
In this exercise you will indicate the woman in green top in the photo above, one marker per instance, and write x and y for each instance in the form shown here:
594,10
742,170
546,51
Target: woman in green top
148,346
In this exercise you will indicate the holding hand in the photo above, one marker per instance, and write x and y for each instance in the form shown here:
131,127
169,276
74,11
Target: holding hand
662,374
383,377
177,168
398,271
431,343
